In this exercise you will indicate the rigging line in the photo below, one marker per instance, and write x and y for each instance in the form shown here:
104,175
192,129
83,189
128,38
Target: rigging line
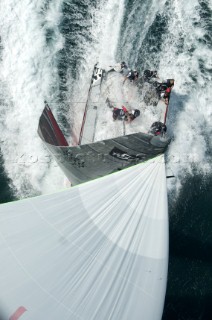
55,103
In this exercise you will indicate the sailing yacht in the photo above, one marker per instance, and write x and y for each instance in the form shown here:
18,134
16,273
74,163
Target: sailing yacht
98,250
105,146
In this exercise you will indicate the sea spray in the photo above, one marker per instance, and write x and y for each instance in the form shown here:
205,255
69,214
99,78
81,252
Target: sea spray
28,77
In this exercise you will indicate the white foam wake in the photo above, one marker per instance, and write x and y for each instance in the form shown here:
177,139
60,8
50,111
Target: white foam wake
28,75
187,58
184,54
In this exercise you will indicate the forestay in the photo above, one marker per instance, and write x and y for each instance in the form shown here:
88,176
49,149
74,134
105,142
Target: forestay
96,251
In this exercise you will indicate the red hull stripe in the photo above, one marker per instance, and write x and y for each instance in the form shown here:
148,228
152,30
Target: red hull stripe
61,139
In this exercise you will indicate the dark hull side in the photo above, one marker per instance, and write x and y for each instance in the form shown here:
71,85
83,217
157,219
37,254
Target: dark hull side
90,161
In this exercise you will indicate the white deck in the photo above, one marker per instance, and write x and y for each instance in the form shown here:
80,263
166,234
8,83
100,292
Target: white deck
99,123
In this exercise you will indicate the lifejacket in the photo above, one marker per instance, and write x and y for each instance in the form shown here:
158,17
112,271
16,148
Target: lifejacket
119,113
150,74
131,75
147,73
136,113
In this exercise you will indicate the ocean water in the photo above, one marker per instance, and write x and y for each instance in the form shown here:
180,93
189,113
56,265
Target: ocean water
47,52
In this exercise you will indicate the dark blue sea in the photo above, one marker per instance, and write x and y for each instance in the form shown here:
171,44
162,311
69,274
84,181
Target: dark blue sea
47,51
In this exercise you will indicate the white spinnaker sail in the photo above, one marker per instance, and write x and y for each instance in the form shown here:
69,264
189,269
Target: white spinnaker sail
96,251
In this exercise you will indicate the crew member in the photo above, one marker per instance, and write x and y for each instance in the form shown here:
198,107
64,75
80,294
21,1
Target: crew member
133,114
119,67
169,82
132,76
120,114
148,74
158,128
165,87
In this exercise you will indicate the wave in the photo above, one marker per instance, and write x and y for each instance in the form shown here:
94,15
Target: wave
28,76
175,38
